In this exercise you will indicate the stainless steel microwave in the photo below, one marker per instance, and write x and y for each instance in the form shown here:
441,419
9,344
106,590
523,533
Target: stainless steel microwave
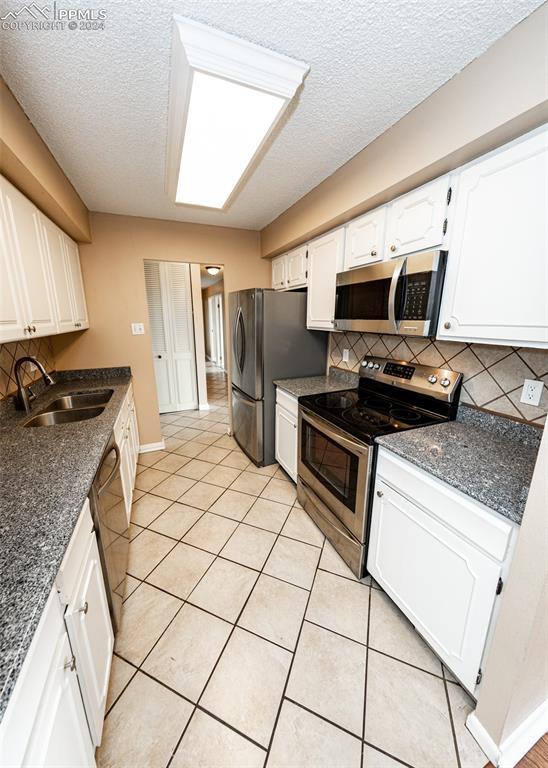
399,296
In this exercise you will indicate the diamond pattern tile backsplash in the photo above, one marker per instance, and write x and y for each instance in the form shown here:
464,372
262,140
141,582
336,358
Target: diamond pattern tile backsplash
493,375
40,348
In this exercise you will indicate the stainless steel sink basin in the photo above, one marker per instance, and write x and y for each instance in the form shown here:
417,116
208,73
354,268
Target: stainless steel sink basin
80,400
49,418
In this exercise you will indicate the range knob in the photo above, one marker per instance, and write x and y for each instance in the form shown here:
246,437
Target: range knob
370,364
376,366
364,363
432,379
445,382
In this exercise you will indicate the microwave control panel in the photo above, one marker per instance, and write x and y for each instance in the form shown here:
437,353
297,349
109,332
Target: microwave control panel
416,296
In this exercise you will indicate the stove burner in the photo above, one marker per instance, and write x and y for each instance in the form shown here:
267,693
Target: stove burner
404,414
376,403
334,400
362,414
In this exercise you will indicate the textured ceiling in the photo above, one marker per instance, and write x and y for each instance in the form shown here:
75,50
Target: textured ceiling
99,98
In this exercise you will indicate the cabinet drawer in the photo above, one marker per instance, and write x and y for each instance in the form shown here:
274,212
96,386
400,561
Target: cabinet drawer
485,529
287,401
67,578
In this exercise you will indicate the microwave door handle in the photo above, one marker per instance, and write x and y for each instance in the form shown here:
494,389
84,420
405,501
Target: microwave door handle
392,294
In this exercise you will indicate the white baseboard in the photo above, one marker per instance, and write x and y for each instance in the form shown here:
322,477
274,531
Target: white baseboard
524,737
149,447
517,744
483,738
203,407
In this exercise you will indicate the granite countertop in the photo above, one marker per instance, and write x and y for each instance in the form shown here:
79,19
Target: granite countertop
45,478
336,381
488,457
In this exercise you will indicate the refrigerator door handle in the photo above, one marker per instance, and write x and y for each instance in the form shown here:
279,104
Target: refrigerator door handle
242,336
235,337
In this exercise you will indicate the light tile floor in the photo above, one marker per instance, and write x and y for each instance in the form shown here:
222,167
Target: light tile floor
246,641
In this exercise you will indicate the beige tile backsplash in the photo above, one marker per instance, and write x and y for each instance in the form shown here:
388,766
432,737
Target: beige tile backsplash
493,375
40,348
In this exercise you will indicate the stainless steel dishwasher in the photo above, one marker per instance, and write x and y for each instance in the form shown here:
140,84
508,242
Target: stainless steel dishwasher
111,524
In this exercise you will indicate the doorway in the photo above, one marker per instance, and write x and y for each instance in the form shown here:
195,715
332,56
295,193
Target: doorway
169,297
213,304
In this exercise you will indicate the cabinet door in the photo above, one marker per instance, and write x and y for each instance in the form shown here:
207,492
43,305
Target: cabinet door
325,257
415,221
496,286
80,312
60,735
33,262
90,630
133,440
126,471
12,312
365,239
61,276
296,268
286,441
278,272
443,584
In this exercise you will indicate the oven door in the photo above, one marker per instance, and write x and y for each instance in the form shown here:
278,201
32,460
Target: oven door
337,468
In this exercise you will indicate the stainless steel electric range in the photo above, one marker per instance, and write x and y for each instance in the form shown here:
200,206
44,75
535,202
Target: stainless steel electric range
337,448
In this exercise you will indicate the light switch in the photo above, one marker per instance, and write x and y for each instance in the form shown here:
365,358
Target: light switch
137,329
346,355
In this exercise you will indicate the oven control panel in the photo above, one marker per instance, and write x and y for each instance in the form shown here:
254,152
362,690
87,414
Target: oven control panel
441,383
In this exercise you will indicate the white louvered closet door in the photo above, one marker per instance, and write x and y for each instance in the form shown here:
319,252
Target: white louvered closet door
172,333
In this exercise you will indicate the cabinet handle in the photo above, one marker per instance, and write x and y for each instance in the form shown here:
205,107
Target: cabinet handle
34,329
27,328
447,325
393,248
379,494
373,252
84,608
70,664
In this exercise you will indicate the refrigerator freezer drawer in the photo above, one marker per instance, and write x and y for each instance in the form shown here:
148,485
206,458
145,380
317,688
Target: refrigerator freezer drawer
247,420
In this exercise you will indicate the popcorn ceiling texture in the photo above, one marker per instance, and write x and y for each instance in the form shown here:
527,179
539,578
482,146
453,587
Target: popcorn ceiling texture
9,353
493,375
370,64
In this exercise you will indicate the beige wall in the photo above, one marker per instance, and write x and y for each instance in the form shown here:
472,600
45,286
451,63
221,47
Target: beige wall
112,267
515,680
499,96
27,162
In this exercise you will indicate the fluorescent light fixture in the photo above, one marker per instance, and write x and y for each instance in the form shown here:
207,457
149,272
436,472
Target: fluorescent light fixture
213,270
226,97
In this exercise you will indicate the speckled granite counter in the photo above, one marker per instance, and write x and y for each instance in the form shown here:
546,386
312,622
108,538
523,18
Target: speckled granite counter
488,457
336,381
46,474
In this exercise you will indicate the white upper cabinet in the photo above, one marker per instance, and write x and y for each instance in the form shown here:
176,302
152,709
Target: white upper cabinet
496,286
61,279
415,221
365,239
31,263
80,312
296,267
41,289
325,259
278,272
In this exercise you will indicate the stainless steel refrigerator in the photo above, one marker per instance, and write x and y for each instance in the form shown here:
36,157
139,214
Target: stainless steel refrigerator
269,340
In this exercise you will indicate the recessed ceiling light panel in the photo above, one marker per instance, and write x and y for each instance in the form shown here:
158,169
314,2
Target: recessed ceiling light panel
226,97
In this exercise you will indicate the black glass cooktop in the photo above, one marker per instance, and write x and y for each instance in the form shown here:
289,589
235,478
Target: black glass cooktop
367,415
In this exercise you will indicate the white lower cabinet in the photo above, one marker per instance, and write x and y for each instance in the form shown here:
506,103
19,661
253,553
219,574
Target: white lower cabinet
90,631
439,555
287,421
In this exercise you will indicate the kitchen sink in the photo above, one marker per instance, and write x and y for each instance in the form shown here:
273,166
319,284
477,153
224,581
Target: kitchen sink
50,418
80,400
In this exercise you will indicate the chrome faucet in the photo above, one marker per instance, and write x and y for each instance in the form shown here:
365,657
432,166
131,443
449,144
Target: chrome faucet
24,395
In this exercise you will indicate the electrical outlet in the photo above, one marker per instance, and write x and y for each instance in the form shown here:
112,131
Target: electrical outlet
346,355
137,329
531,392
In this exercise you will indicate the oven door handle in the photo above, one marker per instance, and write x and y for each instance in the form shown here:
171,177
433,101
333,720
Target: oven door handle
335,435
392,294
